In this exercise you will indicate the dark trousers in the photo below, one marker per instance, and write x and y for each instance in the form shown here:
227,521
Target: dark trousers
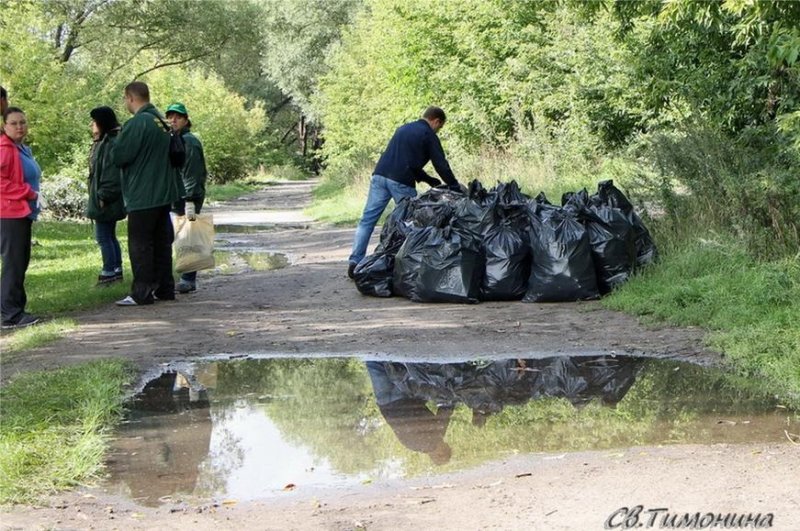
180,209
15,247
105,233
150,238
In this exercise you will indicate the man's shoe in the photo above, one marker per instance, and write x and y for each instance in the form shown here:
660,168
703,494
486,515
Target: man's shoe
105,280
24,320
118,275
185,287
351,269
127,301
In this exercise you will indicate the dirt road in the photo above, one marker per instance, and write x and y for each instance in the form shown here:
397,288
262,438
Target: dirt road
311,308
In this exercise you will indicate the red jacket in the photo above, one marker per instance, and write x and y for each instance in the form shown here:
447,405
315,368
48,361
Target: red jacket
14,191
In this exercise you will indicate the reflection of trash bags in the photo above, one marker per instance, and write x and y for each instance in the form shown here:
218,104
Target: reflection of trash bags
194,243
489,386
408,261
581,379
608,194
508,264
611,236
373,275
562,268
450,270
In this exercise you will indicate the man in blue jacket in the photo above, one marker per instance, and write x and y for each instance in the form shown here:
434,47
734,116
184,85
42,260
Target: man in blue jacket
399,169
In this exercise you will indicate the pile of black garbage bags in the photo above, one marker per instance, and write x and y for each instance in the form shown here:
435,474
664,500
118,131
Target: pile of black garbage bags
500,244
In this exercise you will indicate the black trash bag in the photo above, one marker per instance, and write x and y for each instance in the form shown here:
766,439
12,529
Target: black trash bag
399,220
541,208
471,219
542,199
408,262
612,237
575,203
373,275
433,214
508,263
451,269
509,194
646,251
479,194
562,268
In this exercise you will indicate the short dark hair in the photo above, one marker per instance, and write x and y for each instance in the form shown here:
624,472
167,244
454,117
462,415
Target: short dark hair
3,93
139,90
11,110
434,113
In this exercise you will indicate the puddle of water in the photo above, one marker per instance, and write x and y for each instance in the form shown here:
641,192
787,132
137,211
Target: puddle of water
241,260
248,429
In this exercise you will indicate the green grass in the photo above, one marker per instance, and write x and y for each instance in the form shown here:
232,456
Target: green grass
751,308
35,336
64,267
55,427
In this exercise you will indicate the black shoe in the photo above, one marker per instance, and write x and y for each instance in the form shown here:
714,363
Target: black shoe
24,320
351,269
105,280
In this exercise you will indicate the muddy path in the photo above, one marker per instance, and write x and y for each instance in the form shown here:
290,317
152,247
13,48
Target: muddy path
312,308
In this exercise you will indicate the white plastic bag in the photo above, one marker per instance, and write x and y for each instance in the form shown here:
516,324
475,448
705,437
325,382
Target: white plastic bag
194,243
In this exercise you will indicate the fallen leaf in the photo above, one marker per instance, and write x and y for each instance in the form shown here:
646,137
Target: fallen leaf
290,486
229,502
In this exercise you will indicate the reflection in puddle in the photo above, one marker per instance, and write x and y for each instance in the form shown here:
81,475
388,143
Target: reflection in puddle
247,429
242,260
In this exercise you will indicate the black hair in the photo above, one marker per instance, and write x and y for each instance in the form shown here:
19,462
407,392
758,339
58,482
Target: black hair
3,93
105,118
11,110
434,113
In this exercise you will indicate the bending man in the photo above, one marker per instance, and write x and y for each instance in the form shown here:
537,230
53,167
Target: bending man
397,172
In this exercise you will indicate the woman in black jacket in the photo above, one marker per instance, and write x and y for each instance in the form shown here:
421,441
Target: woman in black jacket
105,205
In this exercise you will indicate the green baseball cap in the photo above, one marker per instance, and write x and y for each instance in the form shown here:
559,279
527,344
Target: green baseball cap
179,108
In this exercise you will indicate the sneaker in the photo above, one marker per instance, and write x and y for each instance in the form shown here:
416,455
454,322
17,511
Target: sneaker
118,275
351,269
24,320
185,287
127,301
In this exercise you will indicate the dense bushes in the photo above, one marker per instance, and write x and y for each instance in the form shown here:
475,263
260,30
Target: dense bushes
696,101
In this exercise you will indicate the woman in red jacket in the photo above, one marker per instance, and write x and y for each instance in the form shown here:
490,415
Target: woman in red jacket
19,206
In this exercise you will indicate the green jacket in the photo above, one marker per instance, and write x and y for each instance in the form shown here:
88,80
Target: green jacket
104,183
142,153
194,171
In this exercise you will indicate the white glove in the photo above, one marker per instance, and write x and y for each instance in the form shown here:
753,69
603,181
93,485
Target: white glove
190,212
41,204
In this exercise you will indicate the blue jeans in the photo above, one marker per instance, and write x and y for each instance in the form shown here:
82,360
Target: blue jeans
381,190
105,233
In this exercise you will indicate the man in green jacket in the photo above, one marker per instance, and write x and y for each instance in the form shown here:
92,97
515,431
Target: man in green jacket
193,174
149,187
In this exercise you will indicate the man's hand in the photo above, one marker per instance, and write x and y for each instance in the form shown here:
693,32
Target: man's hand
456,187
433,182
191,215
101,203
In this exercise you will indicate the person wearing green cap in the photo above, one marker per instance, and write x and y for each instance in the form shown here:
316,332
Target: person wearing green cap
193,174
